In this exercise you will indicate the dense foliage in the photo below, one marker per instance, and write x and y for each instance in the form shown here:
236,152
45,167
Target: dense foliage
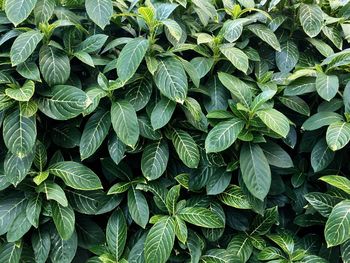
178,131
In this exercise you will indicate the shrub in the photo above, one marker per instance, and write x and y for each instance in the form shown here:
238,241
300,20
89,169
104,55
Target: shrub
177,131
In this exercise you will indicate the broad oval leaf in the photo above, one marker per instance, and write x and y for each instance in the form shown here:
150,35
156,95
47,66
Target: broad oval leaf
18,10
311,19
124,121
171,79
99,11
76,175
275,120
202,217
327,86
338,135
223,135
138,207
265,34
288,57
162,113
131,57
237,57
255,170
24,45
116,233
23,93
64,219
186,148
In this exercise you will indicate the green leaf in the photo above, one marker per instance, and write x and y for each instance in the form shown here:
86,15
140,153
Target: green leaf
338,135
85,58
288,57
146,129
155,159
160,241
238,88
65,103
321,119
274,120
116,233
16,168
263,223
337,229
202,217
92,44
11,252
270,253
255,170
95,131
311,19
63,250
131,57
174,28
139,93
232,29
33,210
321,46
337,181
327,86
18,228
266,35
345,251
124,121
261,99
138,207
237,57
276,156
186,148
19,133
10,207
323,203
29,70
321,156
172,198
295,103
18,10
76,175
53,192
234,196
116,148
41,244
171,79
100,11
21,94
241,247
181,231
44,10
223,135
162,113
202,65
64,219
24,46
54,65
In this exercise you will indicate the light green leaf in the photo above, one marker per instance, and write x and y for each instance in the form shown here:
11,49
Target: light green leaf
240,246
186,148
65,103
64,219
99,11
327,86
262,98
92,44
160,241
19,133
338,135
288,57
265,34
23,93
171,79
337,181
155,159
54,65
255,170
223,135
162,113
345,251
337,229
321,46
24,45
311,19
237,57
201,216
138,207
232,29
18,10
124,121
234,196
116,233
274,120
131,57
76,175
53,192
95,131
174,28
